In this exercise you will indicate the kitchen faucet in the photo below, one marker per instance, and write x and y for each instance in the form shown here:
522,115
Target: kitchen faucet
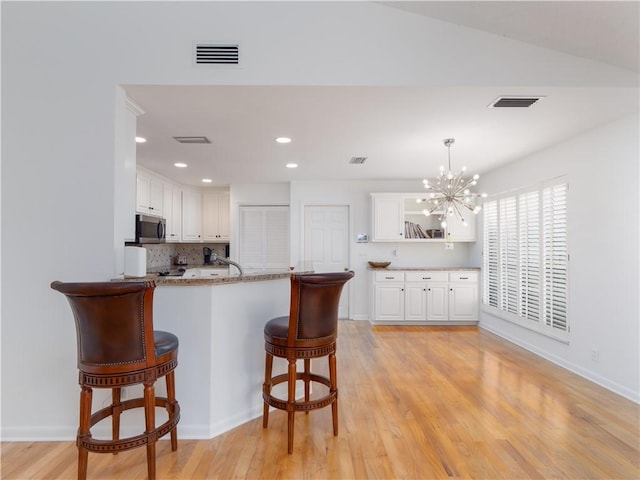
215,257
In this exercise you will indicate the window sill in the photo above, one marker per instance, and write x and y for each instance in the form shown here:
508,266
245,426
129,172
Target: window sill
536,327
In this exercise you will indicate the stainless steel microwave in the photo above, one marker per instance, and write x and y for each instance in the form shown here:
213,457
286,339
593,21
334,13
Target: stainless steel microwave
150,229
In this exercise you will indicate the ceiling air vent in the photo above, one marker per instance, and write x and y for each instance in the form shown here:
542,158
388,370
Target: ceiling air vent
514,102
216,54
192,139
357,160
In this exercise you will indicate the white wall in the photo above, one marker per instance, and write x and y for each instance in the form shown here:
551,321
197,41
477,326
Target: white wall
602,171
61,63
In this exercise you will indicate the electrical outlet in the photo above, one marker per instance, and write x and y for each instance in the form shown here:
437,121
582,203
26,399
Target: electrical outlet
595,355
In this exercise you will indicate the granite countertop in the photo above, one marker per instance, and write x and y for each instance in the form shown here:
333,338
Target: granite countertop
253,275
425,269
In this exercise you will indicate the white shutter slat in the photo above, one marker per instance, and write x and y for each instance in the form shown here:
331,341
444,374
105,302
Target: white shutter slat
508,240
555,258
529,250
490,259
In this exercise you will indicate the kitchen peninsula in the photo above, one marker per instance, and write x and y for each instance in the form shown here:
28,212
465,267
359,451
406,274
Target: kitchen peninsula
219,322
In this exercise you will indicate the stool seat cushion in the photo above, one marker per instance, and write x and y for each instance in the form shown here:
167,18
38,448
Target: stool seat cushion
277,328
164,342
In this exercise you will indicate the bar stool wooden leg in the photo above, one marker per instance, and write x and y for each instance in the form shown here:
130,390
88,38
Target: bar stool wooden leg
171,407
86,395
116,405
307,380
150,421
291,400
266,387
333,380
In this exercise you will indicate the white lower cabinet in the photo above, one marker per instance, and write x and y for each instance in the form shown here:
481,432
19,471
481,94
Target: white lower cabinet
463,296
438,302
425,297
389,296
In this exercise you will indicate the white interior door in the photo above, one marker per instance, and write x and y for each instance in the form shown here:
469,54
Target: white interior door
326,243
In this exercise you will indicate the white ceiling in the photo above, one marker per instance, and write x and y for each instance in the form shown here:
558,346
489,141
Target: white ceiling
606,31
399,129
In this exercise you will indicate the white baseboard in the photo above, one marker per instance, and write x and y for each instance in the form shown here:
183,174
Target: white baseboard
561,362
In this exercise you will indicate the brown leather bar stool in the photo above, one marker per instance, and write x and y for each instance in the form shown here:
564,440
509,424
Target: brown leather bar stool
118,347
310,331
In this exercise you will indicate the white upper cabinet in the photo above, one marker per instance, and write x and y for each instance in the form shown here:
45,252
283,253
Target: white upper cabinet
458,232
149,194
388,222
399,217
172,208
191,216
215,208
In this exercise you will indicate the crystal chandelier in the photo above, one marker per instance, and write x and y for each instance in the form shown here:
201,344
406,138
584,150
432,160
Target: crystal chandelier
449,193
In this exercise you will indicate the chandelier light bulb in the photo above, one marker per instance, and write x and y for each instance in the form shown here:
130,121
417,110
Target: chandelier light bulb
418,200
449,193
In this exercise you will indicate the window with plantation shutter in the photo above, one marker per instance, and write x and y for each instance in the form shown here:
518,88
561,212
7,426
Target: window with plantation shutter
526,257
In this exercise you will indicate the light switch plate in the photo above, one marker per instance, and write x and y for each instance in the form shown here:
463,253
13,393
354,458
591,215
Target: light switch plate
448,246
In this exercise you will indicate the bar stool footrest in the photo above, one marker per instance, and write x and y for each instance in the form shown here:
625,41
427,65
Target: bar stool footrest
110,446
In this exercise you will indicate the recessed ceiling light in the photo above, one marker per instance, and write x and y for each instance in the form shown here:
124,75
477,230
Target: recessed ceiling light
180,165
140,139
207,180
283,140
291,165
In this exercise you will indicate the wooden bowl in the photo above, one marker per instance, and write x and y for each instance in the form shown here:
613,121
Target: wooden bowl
379,264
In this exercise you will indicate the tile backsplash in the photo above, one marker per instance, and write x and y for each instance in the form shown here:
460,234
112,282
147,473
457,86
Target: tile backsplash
161,255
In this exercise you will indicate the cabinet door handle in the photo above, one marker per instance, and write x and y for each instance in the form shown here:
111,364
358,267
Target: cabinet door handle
464,278
426,278
388,278
429,289
451,289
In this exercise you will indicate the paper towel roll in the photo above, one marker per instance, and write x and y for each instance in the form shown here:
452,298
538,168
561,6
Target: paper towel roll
135,261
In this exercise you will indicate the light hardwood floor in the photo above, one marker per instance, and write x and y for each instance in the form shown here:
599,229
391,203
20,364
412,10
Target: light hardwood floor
415,403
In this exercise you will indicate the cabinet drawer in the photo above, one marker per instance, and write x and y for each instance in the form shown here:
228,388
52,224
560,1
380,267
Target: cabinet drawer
426,276
463,277
389,276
